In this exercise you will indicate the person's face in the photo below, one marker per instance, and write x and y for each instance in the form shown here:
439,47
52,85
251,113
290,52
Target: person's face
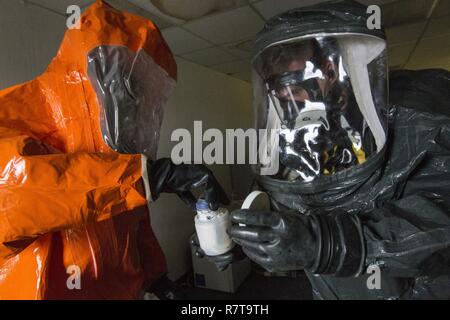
301,87
326,75
132,90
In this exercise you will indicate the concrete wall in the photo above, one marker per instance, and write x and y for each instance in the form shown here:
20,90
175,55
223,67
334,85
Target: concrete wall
30,37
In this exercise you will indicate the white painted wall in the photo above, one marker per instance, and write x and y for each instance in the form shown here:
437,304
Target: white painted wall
30,37
220,102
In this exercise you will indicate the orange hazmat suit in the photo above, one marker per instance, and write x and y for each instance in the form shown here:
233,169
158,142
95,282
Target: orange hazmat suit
73,197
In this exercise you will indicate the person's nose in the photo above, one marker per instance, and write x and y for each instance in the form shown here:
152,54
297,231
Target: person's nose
283,94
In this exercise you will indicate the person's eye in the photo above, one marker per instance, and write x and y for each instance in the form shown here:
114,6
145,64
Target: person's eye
297,91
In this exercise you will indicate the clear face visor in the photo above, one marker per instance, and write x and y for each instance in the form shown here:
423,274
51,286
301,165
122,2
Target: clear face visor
326,97
132,90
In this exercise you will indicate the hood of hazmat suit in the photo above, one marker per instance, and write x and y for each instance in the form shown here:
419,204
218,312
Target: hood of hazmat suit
74,220
320,81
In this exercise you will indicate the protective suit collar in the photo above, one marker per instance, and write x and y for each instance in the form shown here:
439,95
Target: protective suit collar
328,190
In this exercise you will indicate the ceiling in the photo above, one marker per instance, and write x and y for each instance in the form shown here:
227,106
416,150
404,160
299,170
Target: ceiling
418,30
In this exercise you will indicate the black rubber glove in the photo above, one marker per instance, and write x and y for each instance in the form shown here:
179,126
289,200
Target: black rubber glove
165,176
221,261
285,241
276,241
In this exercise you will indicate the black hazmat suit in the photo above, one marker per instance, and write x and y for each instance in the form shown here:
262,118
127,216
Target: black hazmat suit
393,211
402,199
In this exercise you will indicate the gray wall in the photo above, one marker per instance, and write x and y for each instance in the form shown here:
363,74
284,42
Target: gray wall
30,37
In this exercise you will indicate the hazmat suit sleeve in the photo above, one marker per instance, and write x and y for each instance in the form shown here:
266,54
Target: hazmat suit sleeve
411,237
407,234
410,234
72,189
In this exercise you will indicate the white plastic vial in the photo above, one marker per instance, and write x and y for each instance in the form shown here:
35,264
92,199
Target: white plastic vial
211,227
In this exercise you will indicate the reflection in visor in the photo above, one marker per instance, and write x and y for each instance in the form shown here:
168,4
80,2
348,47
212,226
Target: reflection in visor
324,126
132,89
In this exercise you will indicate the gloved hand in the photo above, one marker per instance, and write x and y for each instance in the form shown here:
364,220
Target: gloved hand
322,243
277,241
221,261
165,176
